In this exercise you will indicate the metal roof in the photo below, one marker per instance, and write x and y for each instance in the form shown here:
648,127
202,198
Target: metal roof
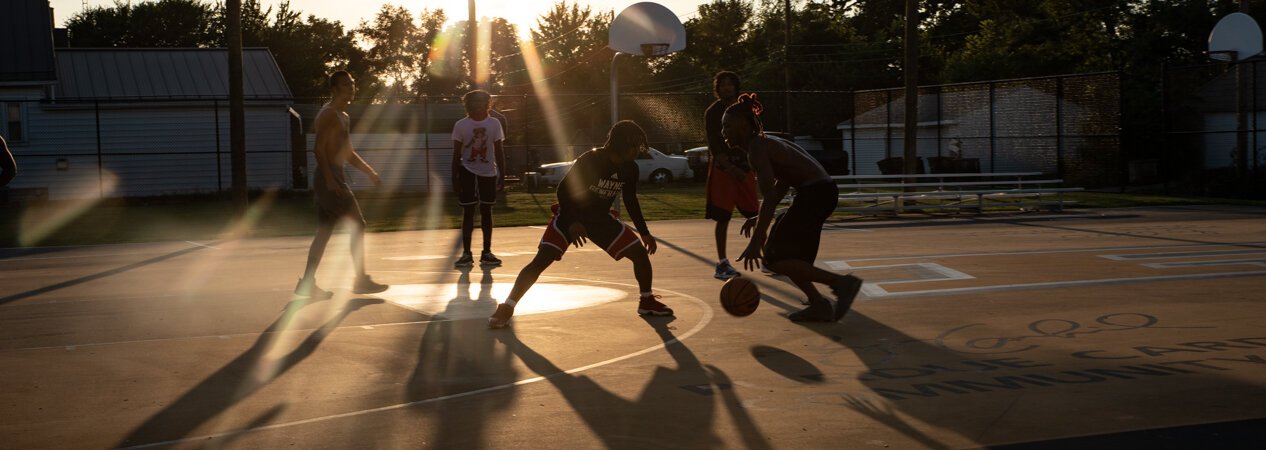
26,42
162,73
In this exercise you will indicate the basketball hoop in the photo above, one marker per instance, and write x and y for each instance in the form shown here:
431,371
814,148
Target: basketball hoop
647,27
653,50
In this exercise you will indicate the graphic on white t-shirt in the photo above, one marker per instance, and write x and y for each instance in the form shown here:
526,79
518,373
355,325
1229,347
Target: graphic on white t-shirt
477,140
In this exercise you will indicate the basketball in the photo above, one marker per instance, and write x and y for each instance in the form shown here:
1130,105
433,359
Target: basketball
740,297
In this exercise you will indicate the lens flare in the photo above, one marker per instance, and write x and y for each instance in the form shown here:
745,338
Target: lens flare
38,224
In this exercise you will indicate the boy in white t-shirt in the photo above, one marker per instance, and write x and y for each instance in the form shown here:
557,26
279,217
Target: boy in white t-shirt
478,157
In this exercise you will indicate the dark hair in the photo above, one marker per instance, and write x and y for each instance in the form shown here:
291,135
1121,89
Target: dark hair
476,95
747,106
724,75
334,77
625,134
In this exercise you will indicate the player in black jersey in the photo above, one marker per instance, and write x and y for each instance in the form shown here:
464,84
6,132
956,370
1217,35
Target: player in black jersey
583,212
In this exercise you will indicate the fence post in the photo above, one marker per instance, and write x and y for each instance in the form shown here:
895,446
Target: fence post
96,108
219,167
1059,127
426,140
993,127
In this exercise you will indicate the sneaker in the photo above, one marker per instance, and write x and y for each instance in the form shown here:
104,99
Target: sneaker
488,259
845,290
467,260
649,305
309,289
501,317
367,285
725,271
819,310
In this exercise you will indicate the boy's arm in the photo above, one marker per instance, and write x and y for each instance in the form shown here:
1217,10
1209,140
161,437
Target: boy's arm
457,162
635,208
771,191
501,163
8,167
630,199
356,161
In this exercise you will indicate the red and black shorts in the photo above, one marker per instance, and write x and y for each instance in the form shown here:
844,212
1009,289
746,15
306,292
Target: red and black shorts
606,230
727,193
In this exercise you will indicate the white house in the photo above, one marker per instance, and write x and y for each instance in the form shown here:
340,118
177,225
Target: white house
135,122
1016,134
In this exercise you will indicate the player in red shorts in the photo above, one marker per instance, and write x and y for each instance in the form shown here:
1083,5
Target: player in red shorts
731,182
584,212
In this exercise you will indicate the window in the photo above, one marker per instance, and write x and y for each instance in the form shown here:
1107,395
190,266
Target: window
14,125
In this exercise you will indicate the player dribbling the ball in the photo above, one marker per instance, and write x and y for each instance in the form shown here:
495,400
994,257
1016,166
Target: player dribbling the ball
792,245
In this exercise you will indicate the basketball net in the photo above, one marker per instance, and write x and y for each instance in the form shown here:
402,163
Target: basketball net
653,50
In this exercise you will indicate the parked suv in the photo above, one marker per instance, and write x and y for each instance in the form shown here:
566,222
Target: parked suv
834,161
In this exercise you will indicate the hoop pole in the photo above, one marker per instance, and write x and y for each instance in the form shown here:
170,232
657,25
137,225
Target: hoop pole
615,91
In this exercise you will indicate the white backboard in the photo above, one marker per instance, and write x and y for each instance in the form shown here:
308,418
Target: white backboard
1238,33
646,23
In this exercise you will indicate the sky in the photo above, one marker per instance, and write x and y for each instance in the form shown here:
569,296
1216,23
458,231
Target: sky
522,13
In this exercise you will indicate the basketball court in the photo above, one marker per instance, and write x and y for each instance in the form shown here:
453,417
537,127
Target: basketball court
972,331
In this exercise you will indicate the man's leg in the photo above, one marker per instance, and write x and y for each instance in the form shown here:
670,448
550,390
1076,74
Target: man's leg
545,256
307,284
468,227
723,227
486,258
647,303
363,284
317,249
485,222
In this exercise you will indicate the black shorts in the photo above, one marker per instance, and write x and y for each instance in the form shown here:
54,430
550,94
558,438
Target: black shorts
335,203
798,232
475,189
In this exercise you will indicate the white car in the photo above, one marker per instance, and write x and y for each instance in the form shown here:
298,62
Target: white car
653,166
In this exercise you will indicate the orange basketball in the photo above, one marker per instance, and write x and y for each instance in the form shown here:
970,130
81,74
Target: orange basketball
740,297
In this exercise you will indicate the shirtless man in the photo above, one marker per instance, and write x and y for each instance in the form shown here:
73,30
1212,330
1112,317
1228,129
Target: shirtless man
334,198
792,245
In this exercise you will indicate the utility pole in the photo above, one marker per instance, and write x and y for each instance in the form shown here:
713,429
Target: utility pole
911,71
1242,77
786,66
237,111
471,44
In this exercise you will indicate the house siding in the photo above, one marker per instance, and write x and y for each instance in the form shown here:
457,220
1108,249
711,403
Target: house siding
147,150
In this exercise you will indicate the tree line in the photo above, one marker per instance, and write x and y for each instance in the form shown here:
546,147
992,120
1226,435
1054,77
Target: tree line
400,54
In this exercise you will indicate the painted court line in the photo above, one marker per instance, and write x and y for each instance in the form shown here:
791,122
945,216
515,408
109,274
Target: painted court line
1075,283
1259,262
874,289
1048,252
1166,255
703,321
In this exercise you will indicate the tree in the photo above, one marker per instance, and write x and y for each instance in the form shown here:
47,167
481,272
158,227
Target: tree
572,44
395,44
163,23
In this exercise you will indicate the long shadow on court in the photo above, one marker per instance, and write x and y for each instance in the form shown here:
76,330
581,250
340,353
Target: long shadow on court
970,384
641,422
97,276
240,378
458,357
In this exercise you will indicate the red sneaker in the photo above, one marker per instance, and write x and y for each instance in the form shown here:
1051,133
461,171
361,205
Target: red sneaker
650,306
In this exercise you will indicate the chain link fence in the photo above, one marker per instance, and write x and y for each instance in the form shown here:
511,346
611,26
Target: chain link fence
1062,126
1215,128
